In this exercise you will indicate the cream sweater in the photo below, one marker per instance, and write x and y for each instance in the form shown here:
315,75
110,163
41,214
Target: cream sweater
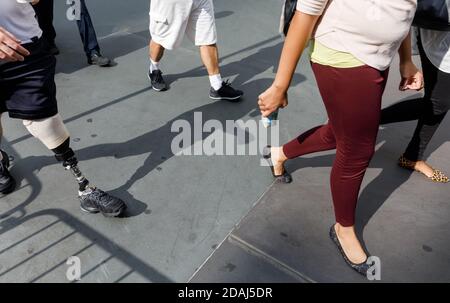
371,30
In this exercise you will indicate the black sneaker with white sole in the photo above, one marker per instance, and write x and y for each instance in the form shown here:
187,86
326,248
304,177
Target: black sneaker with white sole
94,200
7,182
157,80
226,92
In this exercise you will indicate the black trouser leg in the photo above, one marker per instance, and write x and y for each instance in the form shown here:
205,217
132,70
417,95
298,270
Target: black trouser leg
429,110
425,130
436,103
408,110
66,155
44,13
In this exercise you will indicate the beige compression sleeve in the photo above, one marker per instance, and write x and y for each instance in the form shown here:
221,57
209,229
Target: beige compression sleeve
51,131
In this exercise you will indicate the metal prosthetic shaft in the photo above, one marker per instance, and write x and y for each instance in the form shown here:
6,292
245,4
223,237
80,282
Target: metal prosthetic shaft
72,165
70,162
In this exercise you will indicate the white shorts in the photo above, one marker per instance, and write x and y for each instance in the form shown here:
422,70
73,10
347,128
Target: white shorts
170,20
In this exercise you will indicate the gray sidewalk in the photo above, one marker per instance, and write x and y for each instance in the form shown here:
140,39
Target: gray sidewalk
184,210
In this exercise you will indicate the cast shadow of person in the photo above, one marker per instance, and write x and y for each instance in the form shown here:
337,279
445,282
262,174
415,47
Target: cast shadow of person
244,69
115,45
392,177
377,192
158,143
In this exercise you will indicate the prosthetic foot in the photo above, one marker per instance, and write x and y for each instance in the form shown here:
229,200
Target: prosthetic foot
92,199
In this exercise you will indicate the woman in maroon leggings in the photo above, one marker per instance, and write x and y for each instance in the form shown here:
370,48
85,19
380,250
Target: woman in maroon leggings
353,44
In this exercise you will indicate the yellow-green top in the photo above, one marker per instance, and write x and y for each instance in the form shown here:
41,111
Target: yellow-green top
324,55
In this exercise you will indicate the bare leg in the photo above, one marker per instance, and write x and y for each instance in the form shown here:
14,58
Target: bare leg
350,243
210,58
278,159
156,51
424,168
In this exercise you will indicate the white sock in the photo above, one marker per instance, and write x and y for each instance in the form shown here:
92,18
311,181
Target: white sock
216,81
153,66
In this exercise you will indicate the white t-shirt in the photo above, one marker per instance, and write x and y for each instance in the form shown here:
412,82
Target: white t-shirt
437,48
20,20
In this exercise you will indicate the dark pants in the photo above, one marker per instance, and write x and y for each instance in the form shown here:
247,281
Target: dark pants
44,12
87,31
352,97
27,88
429,110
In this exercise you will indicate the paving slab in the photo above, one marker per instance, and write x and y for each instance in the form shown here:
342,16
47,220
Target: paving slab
402,218
236,263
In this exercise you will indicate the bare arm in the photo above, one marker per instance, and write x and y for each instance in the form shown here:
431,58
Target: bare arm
405,51
412,78
300,32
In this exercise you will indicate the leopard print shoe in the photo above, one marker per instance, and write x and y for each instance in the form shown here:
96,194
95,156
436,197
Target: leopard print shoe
438,176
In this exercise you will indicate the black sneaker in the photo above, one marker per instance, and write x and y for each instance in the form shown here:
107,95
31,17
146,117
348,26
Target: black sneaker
7,182
157,80
226,92
98,59
94,200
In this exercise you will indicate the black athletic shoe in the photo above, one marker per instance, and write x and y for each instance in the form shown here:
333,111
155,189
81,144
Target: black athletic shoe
157,80
98,59
7,182
94,200
226,92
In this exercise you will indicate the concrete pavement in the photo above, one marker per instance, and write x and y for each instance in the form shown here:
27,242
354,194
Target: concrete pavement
203,218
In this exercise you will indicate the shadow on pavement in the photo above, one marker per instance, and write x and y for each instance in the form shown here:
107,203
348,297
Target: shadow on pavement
156,143
378,191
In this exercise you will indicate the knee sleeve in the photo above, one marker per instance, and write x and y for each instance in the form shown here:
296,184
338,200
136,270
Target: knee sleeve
51,131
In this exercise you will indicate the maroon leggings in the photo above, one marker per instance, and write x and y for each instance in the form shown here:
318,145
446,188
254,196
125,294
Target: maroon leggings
352,97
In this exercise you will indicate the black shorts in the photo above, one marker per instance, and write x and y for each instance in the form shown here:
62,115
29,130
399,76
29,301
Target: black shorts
27,89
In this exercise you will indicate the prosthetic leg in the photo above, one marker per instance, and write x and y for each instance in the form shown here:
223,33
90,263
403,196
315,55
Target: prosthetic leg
66,155
54,135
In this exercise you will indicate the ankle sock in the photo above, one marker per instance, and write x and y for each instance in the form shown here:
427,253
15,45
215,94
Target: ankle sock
153,65
216,81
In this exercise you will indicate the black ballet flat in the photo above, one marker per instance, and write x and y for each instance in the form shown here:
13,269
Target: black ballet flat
285,177
361,268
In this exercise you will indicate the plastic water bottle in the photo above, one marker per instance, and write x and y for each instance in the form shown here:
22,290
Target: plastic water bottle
268,121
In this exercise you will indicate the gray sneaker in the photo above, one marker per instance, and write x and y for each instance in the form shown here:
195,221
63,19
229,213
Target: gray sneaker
98,59
94,200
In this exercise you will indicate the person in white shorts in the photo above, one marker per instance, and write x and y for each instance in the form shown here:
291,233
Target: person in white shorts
170,21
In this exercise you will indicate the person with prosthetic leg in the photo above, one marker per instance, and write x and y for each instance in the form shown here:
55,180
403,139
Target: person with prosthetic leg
28,92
